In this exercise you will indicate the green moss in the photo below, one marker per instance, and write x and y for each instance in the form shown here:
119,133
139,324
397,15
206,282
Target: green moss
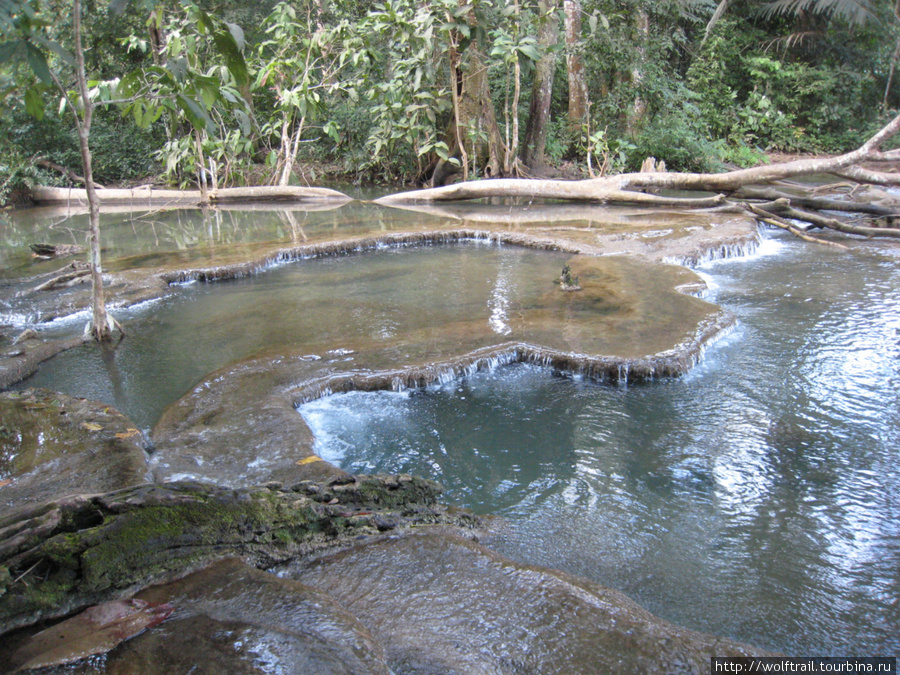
282,536
138,536
151,540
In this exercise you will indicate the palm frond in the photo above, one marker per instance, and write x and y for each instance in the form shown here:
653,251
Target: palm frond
793,40
854,11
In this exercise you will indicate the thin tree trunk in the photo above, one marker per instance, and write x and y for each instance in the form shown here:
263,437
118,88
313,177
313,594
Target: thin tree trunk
542,90
578,94
456,87
201,173
895,57
291,150
511,156
639,107
512,151
100,323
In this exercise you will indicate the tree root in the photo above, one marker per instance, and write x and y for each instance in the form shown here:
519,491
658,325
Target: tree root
112,326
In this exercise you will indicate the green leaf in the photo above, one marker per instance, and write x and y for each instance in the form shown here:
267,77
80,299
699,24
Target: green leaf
237,33
234,59
38,62
531,52
138,110
178,68
195,114
34,103
57,49
9,49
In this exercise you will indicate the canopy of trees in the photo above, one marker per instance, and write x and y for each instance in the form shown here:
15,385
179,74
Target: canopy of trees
403,90
222,93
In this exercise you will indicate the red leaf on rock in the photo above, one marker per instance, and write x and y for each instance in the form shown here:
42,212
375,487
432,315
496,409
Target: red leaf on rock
95,631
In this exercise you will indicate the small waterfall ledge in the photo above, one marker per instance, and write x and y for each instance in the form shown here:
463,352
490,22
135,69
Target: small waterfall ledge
671,363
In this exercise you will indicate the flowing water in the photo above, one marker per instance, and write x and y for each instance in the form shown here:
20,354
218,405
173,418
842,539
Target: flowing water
755,498
381,297
758,497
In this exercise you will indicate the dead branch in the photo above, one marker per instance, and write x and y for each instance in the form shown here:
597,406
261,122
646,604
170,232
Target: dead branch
817,203
68,173
784,209
772,219
64,280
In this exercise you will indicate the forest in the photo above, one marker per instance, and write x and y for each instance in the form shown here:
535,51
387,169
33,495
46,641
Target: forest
409,92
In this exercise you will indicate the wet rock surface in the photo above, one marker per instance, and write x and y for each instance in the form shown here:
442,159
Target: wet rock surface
629,322
53,445
22,356
440,603
82,523
232,618
81,550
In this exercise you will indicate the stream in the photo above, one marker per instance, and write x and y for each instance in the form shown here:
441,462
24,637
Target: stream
756,497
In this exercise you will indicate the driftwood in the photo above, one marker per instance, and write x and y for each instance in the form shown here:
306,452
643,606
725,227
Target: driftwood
55,250
740,186
69,276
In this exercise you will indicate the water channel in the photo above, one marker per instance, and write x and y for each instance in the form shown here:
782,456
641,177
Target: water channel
756,497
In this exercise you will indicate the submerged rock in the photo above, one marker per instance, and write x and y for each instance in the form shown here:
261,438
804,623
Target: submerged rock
442,604
232,618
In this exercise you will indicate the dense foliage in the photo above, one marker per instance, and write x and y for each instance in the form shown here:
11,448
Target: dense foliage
401,89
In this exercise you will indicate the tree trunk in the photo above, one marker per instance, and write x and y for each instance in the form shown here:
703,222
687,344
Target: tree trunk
477,118
456,90
639,107
100,322
542,89
578,94
632,187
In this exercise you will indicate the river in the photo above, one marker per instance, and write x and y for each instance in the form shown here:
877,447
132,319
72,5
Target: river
758,497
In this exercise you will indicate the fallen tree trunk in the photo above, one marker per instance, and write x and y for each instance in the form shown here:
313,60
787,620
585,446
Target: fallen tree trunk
598,190
740,186
143,196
